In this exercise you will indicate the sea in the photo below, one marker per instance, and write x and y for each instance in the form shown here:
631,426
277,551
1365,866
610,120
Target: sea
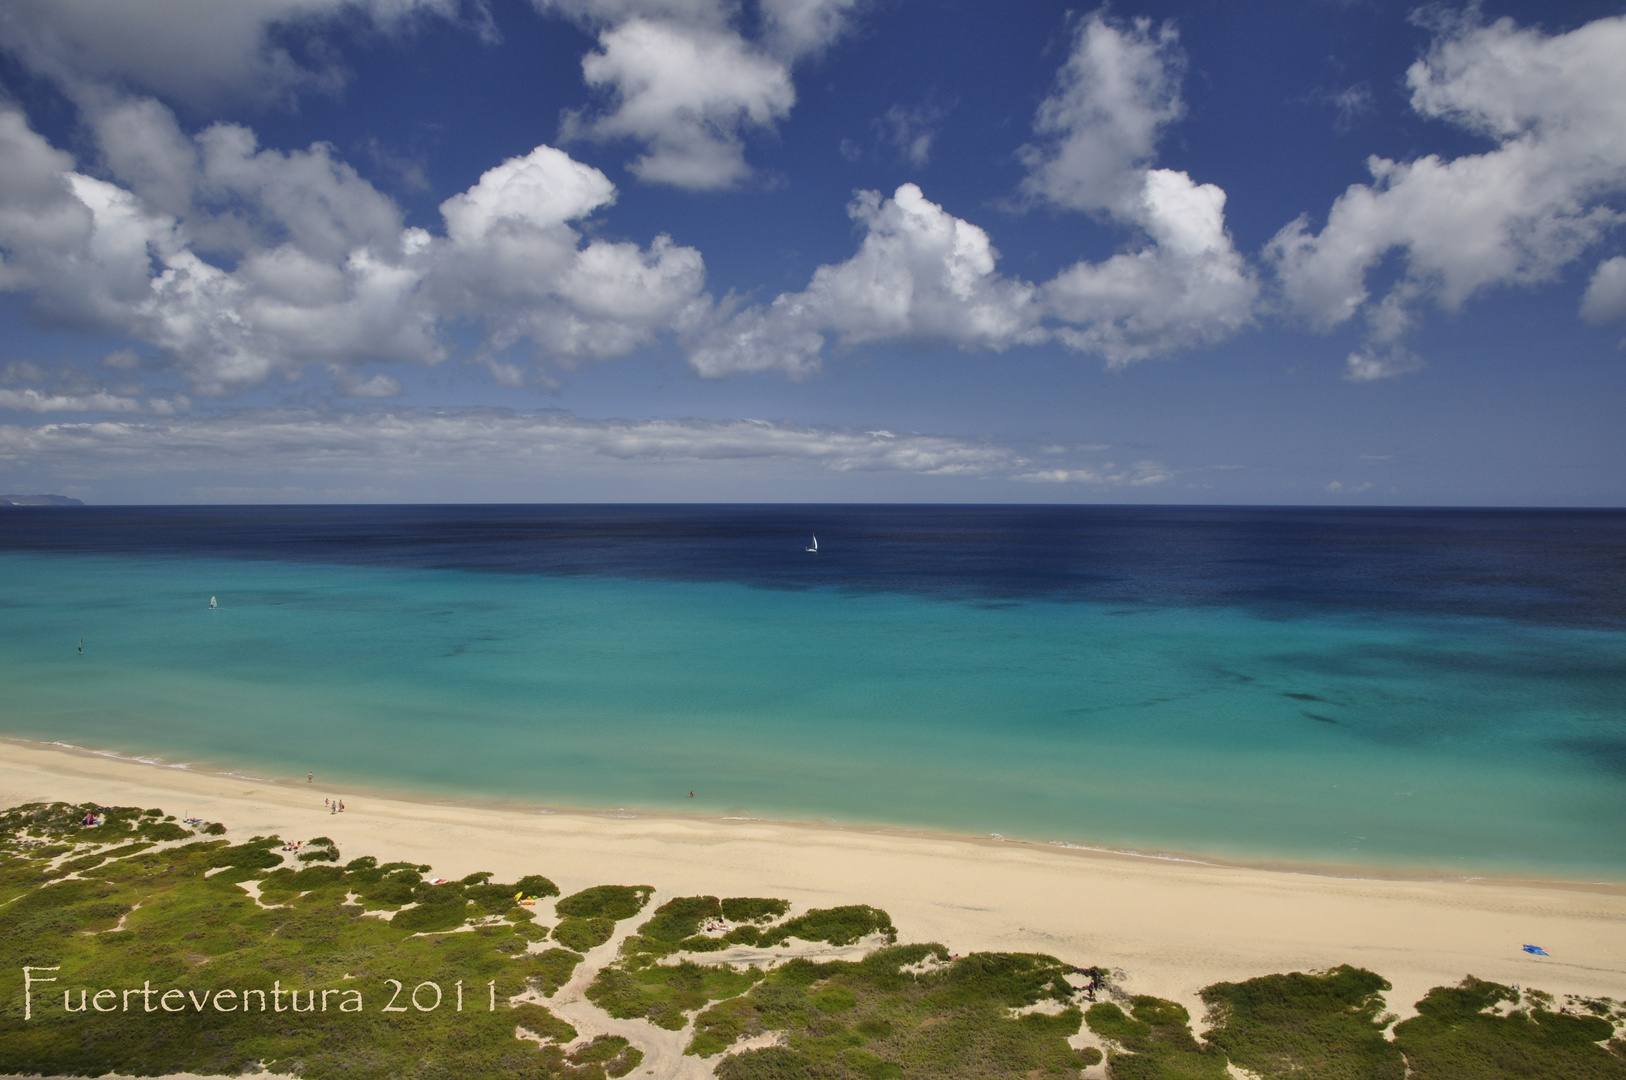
1398,690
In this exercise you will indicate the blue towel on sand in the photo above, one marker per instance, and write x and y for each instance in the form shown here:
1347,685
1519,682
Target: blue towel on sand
1537,949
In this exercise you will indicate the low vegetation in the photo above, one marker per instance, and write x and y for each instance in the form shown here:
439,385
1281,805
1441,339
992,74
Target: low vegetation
590,915
111,914
1153,1041
1328,1025
903,1011
156,936
1483,1029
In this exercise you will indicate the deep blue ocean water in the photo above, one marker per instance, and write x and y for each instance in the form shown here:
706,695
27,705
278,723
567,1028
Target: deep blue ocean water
1439,689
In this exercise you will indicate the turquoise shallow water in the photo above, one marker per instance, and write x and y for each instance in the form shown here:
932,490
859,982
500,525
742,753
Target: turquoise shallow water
1460,743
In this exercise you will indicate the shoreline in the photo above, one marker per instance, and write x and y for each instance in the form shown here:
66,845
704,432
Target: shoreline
1289,866
1170,927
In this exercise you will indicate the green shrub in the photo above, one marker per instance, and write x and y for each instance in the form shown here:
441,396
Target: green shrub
1324,1026
753,909
680,918
605,1056
492,899
445,893
872,1018
547,971
770,1063
161,831
431,918
583,934
534,885
1154,1042
1456,1035
614,902
539,1021
664,994
254,855
838,926
743,935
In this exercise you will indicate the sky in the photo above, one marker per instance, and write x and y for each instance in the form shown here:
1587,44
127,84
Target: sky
1340,252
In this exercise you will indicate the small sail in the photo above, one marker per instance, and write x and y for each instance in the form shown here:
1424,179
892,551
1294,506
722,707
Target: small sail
815,546
211,603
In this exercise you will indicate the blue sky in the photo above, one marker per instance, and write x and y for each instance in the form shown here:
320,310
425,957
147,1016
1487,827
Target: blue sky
825,250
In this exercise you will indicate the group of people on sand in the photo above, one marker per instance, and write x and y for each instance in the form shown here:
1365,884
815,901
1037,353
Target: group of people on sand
293,845
334,806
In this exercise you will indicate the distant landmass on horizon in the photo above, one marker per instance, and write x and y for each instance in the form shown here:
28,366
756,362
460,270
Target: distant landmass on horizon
38,500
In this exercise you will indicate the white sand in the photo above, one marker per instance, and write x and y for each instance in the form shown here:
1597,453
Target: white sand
1170,927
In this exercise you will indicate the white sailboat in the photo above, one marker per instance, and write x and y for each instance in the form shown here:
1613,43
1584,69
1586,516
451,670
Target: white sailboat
212,604
815,547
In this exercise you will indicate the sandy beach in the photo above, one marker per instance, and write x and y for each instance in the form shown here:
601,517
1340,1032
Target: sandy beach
1170,927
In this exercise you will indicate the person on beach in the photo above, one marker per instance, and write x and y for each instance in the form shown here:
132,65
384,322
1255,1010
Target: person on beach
310,778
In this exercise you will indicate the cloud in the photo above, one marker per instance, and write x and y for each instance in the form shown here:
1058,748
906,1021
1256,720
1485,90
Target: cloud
1605,298
322,270
688,92
415,441
351,384
1372,363
1116,92
1140,474
1188,286
680,77
466,450
199,52
1183,283
36,401
919,273
910,131
796,29
512,260
1350,105
71,391
1516,215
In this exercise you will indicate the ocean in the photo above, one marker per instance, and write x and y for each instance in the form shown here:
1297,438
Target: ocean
1431,691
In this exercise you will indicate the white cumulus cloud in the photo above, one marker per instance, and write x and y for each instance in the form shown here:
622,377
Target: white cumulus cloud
243,264
920,272
687,92
1515,215
1605,298
1183,283
680,77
